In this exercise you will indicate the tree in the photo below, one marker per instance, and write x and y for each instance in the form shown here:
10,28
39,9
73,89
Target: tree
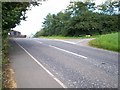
13,13
109,7
81,18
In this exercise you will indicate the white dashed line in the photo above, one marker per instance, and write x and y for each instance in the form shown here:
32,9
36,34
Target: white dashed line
57,80
68,52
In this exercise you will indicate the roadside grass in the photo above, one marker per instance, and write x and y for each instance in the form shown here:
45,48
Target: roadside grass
68,37
7,72
108,41
59,37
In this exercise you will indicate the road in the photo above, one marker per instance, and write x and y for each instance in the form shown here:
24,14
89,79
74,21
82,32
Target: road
45,63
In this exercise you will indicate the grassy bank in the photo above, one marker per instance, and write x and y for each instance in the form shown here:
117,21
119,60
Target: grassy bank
67,37
108,41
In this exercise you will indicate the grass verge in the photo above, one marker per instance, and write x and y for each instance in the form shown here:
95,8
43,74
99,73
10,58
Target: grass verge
108,41
67,37
7,73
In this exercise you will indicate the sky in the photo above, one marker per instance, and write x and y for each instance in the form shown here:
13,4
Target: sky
37,14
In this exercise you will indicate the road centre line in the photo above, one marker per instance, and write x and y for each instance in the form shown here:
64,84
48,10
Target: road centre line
65,50
57,80
68,52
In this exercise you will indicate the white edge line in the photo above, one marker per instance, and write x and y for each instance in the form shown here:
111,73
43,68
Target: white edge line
57,80
68,52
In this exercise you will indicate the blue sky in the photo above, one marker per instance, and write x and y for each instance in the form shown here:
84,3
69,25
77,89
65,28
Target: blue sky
37,14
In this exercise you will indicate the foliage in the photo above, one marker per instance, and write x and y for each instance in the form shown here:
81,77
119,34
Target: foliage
108,41
12,14
82,18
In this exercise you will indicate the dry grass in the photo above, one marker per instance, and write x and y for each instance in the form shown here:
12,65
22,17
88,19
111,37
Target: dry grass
8,80
8,77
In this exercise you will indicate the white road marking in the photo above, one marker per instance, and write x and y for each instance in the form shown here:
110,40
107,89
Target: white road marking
57,80
65,41
39,42
65,50
68,52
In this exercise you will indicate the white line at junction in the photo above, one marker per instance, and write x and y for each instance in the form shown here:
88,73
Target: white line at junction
65,41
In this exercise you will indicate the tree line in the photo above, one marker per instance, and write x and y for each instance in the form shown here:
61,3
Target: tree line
81,18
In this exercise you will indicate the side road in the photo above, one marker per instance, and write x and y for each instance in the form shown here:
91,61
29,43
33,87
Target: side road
27,70
82,42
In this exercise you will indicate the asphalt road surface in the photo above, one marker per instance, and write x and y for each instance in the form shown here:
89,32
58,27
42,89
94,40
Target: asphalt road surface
45,63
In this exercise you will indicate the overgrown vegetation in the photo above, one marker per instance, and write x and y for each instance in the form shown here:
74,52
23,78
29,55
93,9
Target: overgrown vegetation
12,14
108,41
82,18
